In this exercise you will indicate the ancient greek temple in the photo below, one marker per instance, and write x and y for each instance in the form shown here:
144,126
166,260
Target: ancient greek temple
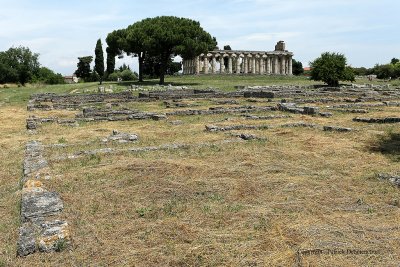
277,62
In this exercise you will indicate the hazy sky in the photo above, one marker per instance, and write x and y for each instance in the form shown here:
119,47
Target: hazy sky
366,31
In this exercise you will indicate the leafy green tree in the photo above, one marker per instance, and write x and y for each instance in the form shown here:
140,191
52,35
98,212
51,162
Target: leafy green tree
331,68
167,36
396,72
384,71
83,71
362,71
227,47
124,67
297,67
7,74
394,61
46,75
99,60
18,64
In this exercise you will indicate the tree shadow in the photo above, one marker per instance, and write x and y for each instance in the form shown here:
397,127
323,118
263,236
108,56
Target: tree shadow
389,145
156,82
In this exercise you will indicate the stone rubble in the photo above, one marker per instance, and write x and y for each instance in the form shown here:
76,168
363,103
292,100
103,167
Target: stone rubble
394,179
121,137
214,128
299,124
270,117
337,129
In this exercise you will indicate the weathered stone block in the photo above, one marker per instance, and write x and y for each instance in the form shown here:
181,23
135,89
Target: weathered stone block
121,137
326,114
27,239
38,203
311,110
55,236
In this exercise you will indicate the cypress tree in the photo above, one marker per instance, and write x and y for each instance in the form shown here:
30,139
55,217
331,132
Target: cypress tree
99,60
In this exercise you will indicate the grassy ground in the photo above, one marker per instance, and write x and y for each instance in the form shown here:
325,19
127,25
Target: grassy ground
254,203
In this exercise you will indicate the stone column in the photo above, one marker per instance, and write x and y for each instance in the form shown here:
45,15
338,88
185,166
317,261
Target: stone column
238,65
213,65
257,66
230,65
205,65
221,65
290,67
245,69
283,59
197,65
275,68
287,66
268,65
262,65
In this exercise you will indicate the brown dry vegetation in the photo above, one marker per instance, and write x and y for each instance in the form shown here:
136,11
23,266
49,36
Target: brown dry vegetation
250,203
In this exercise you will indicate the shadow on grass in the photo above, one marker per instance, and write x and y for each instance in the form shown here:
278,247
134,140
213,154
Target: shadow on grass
389,145
156,82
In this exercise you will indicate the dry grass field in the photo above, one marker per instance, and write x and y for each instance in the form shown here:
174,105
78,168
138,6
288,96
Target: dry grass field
296,196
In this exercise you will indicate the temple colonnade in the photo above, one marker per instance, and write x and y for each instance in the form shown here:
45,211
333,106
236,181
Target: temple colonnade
239,62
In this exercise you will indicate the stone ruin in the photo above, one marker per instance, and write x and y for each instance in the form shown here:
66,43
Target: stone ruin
43,227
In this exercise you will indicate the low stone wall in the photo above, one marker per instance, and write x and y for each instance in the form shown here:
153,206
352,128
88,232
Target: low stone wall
220,110
42,228
51,101
378,120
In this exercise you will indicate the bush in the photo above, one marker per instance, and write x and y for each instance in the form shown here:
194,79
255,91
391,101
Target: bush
125,75
128,75
114,76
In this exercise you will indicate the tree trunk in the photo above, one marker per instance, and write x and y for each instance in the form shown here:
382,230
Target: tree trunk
141,58
163,67
162,74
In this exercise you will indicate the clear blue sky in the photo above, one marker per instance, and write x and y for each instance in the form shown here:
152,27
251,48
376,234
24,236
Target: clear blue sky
366,31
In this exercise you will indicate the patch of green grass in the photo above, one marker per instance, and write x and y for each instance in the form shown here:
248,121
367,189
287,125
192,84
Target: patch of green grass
142,212
62,140
93,159
234,208
61,245
261,224
389,145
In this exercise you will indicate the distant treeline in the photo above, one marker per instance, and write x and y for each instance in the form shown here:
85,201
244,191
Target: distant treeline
20,65
385,71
